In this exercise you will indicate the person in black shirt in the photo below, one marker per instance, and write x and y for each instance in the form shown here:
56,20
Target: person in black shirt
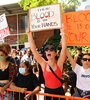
25,81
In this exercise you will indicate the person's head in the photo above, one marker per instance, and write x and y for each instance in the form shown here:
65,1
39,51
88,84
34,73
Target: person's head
13,53
86,51
28,52
86,60
4,51
25,68
50,52
80,50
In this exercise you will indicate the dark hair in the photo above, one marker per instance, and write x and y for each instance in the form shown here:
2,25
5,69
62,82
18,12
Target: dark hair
28,65
86,54
79,48
4,52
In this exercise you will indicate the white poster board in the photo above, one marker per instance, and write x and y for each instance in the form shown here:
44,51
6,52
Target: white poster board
45,17
4,29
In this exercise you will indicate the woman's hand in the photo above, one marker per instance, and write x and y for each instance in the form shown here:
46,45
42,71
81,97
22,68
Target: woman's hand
23,90
27,96
2,90
62,29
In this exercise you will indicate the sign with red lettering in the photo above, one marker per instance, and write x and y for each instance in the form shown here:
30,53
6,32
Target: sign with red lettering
45,17
77,28
4,30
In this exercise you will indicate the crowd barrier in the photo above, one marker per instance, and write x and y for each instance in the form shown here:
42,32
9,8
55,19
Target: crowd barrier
39,96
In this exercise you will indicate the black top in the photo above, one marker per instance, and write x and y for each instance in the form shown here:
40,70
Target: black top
73,78
30,82
79,59
4,75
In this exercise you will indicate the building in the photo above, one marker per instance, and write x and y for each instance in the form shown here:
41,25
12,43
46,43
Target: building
18,21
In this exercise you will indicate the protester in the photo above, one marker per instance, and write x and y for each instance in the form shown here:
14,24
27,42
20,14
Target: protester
14,55
86,51
27,56
83,75
78,56
7,69
25,81
52,84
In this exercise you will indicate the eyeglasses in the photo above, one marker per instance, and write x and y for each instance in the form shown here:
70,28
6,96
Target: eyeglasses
51,49
85,59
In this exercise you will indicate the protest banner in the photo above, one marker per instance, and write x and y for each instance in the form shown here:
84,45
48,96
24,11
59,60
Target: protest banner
77,28
4,29
1,41
45,17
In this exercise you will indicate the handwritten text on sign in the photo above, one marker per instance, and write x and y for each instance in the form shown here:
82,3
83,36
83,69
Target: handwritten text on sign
45,17
77,28
4,30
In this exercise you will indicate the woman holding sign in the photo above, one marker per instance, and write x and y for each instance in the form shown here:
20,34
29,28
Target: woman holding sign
53,85
83,75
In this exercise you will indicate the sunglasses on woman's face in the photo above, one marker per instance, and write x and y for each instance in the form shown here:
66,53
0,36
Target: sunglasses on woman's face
50,49
85,59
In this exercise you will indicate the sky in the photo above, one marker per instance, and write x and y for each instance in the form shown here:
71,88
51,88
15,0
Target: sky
4,2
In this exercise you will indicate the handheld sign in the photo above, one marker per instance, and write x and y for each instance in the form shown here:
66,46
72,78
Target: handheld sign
1,41
4,29
45,17
77,28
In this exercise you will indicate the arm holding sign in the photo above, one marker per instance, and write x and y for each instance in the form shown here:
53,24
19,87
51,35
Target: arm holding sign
72,61
63,51
37,56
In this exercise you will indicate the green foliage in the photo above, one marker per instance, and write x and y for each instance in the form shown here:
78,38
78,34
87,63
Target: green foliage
23,39
70,3
26,4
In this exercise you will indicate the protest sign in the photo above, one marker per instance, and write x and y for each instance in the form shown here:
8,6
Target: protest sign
77,28
45,17
4,30
1,41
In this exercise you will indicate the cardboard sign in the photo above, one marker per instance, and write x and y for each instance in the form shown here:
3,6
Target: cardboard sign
77,28
45,17
4,30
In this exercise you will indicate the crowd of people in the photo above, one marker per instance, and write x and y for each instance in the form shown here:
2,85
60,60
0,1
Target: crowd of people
27,71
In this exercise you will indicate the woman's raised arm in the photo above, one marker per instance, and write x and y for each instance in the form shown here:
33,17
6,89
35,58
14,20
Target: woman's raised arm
37,56
63,51
72,61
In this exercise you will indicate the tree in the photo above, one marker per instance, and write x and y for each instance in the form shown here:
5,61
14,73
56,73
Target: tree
23,39
26,4
70,4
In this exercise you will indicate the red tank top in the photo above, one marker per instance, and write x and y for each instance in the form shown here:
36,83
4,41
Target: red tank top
50,80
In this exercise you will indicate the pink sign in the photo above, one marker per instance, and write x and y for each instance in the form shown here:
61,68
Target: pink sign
4,29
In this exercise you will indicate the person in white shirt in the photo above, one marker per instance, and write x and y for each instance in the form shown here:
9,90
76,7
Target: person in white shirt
27,56
83,75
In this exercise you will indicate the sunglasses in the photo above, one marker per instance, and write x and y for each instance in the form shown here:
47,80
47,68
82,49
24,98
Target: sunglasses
85,59
51,49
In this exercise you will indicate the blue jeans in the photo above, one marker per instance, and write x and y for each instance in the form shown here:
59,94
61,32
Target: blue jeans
79,93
